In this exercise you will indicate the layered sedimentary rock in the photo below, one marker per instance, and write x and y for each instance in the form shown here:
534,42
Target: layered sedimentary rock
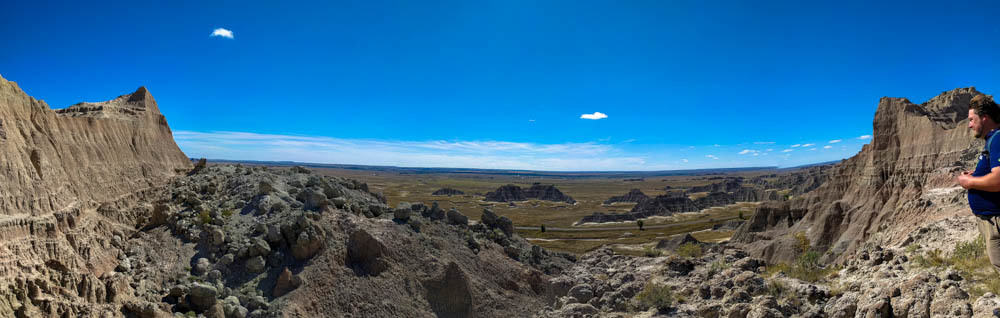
892,186
726,186
506,193
798,182
87,152
511,193
633,196
448,191
73,185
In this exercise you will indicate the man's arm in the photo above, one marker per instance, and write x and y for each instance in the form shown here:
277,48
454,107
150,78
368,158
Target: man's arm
989,183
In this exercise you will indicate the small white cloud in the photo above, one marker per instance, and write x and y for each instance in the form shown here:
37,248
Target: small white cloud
811,149
746,151
769,149
715,145
594,116
630,140
795,145
222,32
684,160
531,120
835,141
756,154
827,147
711,156
808,145
863,137
763,142
788,150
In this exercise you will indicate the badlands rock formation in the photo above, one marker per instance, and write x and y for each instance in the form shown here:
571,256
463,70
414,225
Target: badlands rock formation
74,183
633,196
448,192
512,193
889,188
53,159
105,217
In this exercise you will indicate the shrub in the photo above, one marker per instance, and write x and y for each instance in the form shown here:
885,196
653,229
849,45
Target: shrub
653,295
649,251
205,217
689,250
228,212
802,242
776,289
639,223
543,228
717,267
931,259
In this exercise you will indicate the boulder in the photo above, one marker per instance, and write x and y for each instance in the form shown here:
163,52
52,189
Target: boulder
457,218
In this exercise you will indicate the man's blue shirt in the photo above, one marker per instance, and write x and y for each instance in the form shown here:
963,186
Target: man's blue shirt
983,202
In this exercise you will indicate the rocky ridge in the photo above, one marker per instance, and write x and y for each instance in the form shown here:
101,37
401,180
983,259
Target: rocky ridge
106,218
633,196
448,192
513,193
900,181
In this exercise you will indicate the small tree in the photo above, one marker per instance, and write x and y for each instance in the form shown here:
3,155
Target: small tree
639,222
741,215
543,228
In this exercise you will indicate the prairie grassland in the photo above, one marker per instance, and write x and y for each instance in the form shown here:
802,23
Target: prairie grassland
589,192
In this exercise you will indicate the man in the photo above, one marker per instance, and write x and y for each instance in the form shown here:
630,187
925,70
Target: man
984,183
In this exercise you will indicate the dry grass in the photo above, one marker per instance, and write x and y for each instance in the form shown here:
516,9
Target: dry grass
590,194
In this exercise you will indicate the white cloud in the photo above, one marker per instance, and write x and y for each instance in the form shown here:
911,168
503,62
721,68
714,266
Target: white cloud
763,142
835,141
746,151
811,149
863,137
827,147
222,32
769,149
684,160
716,145
531,120
434,153
756,154
808,145
712,156
788,150
795,145
594,116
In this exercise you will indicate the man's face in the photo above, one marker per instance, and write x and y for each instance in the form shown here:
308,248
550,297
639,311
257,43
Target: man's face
976,124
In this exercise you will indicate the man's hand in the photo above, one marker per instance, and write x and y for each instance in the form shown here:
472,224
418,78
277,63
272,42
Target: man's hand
964,179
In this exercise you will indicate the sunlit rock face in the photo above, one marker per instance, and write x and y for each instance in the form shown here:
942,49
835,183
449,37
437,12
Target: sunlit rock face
901,180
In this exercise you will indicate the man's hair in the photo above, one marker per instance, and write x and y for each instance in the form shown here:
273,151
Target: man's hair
984,105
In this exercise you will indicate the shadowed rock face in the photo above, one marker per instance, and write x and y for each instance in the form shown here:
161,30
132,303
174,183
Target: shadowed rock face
634,195
883,192
511,193
448,191
507,193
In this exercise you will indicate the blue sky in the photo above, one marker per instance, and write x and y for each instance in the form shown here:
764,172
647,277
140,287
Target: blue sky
503,84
